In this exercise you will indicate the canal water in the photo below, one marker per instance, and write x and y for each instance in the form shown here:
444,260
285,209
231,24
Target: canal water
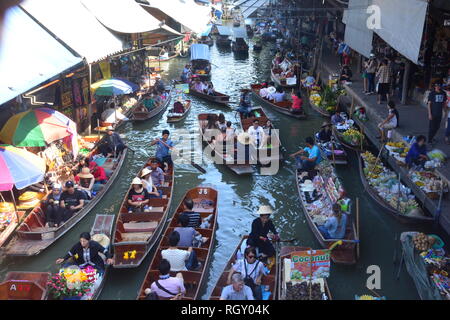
240,197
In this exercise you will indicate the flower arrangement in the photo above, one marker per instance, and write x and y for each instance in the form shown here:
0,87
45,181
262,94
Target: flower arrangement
72,282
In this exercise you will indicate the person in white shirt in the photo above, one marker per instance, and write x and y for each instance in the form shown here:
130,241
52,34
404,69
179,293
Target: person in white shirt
147,182
180,260
256,132
278,96
109,116
271,90
263,92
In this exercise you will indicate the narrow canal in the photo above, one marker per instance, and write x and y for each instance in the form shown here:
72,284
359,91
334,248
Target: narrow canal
240,197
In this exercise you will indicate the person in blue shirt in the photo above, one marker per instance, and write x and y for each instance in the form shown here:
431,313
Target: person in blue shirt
417,154
334,227
163,148
313,158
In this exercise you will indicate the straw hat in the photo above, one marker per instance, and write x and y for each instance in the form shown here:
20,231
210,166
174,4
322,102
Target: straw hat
145,172
265,210
245,138
136,181
102,239
85,174
307,186
271,90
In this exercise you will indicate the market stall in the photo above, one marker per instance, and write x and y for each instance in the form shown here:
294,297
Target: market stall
348,134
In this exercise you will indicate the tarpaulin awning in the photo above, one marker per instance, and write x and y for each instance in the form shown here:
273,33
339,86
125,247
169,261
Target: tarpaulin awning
126,16
28,55
224,31
251,6
240,33
357,35
207,31
200,52
193,16
87,36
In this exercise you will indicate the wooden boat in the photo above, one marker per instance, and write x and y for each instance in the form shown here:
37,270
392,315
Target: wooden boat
24,286
269,280
171,117
338,136
32,237
280,82
205,202
223,41
340,156
136,233
218,98
282,107
219,156
207,40
318,109
102,125
155,59
382,203
286,253
343,254
239,46
264,154
143,116
8,232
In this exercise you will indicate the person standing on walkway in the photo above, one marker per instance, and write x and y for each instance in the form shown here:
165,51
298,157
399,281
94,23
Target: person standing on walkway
436,102
371,68
384,79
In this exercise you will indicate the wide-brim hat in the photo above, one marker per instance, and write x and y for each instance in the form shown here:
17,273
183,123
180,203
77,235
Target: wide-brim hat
102,239
245,138
271,90
265,210
137,181
145,172
85,174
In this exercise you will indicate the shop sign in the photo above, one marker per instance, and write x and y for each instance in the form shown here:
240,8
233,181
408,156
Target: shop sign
311,264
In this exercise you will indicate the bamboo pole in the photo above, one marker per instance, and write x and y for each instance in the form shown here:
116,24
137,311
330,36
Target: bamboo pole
357,228
378,158
15,206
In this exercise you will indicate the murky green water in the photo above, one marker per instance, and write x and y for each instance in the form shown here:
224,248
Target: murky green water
240,197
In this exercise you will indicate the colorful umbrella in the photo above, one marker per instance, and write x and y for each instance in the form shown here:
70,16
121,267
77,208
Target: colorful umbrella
37,127
19,167
113,87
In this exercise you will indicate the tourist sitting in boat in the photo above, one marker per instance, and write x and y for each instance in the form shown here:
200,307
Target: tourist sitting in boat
278,96
187,233
147,182
210,90
256,132
237,290
271,90
244,103
138,197
251,269
180,260
417,154
334,227
178,106
160,86
221,123
148,103
194,217
259,235
85,180
112,144
199,86
263,92
325,132
83,163
313,156
87,253
230,132
100,176
167,286
336,118
113,114
71,200
53,211
297,103
164,145
157,173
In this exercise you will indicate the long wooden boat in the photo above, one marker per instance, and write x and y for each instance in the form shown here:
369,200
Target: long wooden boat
241,47
223,41
358,148
218,98
383,204
8,232
136,233
103,125
269,280
282,107
161,59
318,109
286,252
205,202
228,159
340,156
143,116
172,117
24,286
343,254
281,83
265,154
32,237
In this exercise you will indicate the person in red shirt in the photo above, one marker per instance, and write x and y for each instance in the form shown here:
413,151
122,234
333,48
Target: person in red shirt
99,175
297,102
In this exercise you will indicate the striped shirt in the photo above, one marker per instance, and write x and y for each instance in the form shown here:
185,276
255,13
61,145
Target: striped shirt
194,218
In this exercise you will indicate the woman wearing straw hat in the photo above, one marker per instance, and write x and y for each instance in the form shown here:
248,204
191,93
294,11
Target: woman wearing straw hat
138,197
85,180
147,182
258,237
325,132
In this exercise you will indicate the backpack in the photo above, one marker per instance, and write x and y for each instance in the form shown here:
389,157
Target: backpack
248,281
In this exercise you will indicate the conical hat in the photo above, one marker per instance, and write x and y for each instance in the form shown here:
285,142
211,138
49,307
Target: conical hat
136,181
265,210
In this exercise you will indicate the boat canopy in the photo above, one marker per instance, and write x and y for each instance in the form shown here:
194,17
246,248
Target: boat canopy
224,31
240,33
200,52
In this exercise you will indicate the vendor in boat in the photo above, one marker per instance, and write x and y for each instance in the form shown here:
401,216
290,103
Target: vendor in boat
325,132
336,118
164,145
138,197
147,182
307,162
237,290
334,227
71,200
178,106
417,154
87,253
259,237
244,103
167,287
53,211
112,143
297,102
